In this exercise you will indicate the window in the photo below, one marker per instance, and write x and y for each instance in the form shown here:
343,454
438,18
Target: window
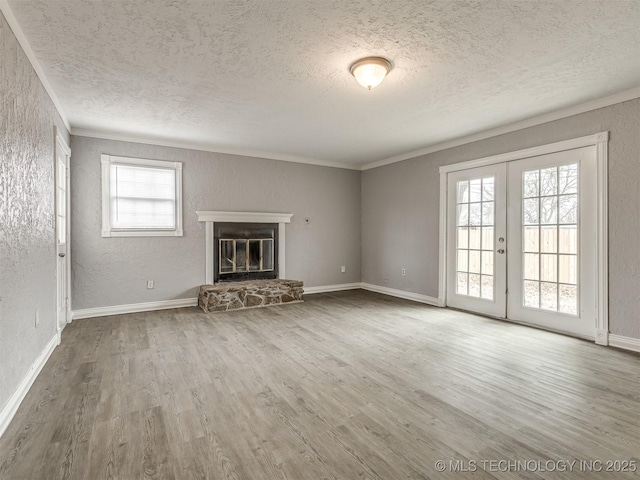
141,197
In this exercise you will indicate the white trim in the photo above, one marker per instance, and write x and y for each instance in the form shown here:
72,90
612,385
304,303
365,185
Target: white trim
607,101
208,253
602,243
628,343
11,407
107,230
134,308
416,297
62,144
210,217
573,143
331,288
282,264
206,147
143,233
144,162
105,196
442,243
243,217
600,141
28,51
65,148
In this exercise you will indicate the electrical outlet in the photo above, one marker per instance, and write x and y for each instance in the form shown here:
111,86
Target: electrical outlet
37,317
404,271
149,284
343,268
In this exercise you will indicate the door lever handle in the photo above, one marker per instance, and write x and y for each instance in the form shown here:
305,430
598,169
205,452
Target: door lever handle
61,255
501,251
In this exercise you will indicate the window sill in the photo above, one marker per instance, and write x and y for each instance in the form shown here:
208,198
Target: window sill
142,233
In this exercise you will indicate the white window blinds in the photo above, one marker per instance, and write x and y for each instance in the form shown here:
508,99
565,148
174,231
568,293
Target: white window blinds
141,197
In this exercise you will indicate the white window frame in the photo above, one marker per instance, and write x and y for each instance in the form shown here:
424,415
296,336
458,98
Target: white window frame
107,229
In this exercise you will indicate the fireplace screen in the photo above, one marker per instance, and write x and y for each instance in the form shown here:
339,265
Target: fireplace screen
245,251
245,255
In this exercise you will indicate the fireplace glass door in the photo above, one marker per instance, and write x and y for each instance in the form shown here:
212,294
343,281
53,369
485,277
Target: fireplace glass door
245,255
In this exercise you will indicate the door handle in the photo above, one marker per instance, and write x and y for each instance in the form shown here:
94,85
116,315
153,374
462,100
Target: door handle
501,251
61,255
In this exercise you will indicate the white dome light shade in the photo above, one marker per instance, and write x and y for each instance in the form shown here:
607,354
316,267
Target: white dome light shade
370,71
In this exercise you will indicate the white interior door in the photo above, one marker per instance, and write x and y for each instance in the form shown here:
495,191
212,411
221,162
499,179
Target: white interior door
552,228
62,154
476,260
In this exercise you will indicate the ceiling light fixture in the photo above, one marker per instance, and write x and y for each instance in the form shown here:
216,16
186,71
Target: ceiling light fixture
370,71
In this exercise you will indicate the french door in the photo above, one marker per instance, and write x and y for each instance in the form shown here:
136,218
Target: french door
522,240
477,227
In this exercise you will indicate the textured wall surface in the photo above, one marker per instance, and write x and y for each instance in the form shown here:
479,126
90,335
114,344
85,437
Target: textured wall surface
27,232
400,205
114,271
273,76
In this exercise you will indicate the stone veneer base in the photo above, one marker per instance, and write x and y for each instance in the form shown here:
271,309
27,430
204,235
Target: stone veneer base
226,296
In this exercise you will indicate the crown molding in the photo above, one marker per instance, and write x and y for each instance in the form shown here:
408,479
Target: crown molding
26,47
124,137
607,101
587,140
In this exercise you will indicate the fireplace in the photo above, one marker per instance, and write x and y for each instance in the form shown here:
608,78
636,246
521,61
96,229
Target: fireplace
245,251
239,245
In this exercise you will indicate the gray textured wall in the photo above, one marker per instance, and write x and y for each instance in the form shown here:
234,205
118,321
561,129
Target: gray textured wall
27,232
114,271
400,205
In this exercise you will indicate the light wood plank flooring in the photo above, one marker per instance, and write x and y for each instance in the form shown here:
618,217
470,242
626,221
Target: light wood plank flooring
348,385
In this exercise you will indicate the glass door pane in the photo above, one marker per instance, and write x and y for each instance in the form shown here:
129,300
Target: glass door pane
474,246
550,237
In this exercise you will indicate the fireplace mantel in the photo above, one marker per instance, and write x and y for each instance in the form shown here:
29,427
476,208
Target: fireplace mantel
210,217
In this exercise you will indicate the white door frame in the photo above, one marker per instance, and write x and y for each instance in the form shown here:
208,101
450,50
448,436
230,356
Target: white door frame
61,145
600,141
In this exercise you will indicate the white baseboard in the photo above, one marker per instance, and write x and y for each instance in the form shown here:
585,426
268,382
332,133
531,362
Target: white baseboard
134,308
11,407
628,343
416,297
331,288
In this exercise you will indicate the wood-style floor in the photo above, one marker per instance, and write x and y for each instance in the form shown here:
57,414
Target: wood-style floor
348,385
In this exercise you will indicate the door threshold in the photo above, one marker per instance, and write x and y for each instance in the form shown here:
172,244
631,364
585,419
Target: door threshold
526,324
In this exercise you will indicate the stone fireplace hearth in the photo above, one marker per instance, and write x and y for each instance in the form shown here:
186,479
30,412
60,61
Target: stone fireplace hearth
226,296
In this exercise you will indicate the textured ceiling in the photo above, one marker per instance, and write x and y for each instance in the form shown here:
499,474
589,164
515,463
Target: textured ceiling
272,76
